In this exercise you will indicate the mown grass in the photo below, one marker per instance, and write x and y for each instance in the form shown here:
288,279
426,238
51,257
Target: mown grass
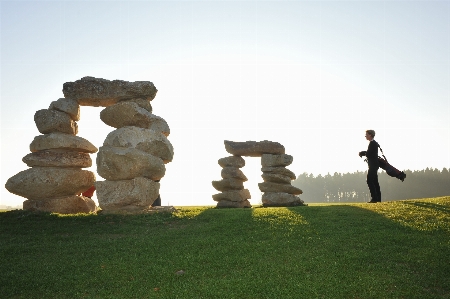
389,250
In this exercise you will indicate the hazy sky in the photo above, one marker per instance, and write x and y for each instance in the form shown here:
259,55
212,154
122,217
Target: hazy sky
312,75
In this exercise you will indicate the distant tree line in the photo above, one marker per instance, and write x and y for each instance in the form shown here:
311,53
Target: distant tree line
352,187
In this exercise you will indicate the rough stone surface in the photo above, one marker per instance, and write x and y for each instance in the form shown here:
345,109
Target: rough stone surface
146,140
279,170
228,184
61,141
58,158
276,160
117,163
279,199
63,205
232,161
90,91
126,196
233,172
275,187
141,103
126,113
253,148
276,178
51,121
68,106
233,195
50,182
233,204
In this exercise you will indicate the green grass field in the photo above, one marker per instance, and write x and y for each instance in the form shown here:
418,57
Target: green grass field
390,250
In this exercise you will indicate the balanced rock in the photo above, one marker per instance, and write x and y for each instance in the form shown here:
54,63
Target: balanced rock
233,204
62,141
253,148
50,182
232,161
276,160
51,121
275,187
64,205
146,140
141,103
233,195
276,178
58,158
127,195
233,172
279,170
90,91
118,163
68,106
228,184
280,199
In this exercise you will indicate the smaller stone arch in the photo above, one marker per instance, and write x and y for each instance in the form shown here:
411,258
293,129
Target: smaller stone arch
277,189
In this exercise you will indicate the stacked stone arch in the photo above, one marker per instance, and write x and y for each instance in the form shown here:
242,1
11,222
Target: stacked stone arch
277,189
132,159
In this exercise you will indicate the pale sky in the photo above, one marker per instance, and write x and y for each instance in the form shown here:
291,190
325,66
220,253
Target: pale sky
311,75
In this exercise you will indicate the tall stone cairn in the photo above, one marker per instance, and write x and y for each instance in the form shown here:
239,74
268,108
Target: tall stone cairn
233,194
55,179
133,157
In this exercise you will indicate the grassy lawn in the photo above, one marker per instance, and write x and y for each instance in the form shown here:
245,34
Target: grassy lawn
389,250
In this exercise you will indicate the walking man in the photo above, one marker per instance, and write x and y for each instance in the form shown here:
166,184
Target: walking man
372,174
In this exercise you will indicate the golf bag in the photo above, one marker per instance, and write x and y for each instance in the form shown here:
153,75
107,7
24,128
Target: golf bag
390,170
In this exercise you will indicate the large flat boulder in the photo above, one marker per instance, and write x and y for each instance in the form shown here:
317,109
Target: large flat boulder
276,187
52,121
279,170
141,103
276,160
233,195
118,163
253,148
68,106
232,161
63,205
58,158
228,184
280,199
233,172
276,178
233,204
126,195
146,140
50,182
90,91
63,142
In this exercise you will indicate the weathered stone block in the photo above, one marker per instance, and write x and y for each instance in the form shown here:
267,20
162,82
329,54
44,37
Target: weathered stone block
233,172
90,91
68,106
253,148
228,184
276,178
61,141
276,160
232,161
146,140
233,195
280,199
233,204
127,195
52,121
279,170
63,205
58,158
118,163
275,187
50,182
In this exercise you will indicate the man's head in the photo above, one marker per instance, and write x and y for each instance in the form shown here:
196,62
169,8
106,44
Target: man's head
370,134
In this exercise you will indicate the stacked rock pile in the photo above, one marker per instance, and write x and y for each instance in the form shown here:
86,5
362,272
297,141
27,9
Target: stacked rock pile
133,157
277,187
233,194
57,157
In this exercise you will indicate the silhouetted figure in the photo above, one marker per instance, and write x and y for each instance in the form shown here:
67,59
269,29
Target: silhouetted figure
372,160
157,202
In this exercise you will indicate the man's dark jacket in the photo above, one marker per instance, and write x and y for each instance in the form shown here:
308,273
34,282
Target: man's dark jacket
372,154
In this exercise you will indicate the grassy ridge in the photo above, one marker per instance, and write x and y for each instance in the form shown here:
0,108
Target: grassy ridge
390,250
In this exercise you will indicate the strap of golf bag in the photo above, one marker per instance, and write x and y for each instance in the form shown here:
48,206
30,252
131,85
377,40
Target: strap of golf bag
382,153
